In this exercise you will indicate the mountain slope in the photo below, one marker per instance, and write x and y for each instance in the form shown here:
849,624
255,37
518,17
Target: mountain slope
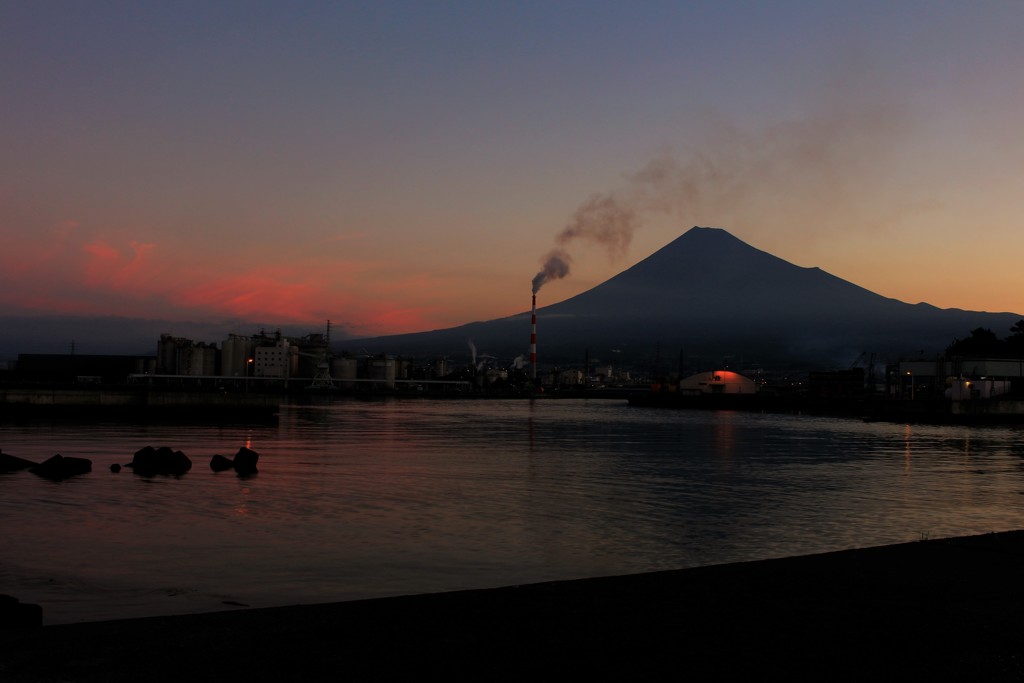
710,294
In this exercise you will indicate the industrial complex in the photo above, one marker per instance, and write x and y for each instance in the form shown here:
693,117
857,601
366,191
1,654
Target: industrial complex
243,368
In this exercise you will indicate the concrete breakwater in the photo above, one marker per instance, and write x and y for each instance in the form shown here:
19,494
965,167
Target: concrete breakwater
939,610
149,401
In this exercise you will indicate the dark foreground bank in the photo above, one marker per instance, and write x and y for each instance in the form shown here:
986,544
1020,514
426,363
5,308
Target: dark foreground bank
949,609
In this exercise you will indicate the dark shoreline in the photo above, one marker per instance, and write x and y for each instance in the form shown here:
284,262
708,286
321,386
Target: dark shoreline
946,609
144,403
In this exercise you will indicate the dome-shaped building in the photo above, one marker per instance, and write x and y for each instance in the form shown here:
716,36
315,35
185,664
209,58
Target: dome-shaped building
717,382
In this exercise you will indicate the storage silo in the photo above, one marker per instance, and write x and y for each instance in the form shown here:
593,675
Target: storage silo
383,371
344,371
234,356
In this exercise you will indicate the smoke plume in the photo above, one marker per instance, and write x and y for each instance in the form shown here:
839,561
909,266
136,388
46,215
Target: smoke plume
556,266
605,220
794,179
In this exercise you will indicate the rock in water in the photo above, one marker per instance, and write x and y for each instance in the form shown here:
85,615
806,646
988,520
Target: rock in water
10,463
219,463
144,459
245,461
58,467
180,463
149,461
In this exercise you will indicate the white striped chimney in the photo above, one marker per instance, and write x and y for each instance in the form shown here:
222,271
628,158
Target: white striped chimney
533,339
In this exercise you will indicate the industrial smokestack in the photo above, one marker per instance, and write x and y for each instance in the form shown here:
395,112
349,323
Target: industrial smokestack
533,339
603,219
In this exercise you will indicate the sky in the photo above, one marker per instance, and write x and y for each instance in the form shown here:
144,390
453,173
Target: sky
407,166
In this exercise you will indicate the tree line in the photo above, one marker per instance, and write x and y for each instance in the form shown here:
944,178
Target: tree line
984,343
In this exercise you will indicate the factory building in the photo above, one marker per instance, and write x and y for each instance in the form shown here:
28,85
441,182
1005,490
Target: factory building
570,378
280,360
957,379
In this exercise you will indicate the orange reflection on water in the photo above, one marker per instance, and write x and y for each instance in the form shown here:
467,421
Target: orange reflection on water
243,506
725,433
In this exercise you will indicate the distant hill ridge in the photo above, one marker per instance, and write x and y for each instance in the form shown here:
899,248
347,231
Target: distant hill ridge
709,294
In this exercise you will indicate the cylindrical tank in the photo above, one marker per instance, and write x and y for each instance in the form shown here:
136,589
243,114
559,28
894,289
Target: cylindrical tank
383,370
344,371
234,356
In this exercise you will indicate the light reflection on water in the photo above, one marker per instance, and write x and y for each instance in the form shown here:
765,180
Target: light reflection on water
360,499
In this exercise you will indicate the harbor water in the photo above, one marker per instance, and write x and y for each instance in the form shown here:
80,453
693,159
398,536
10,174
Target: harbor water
361,499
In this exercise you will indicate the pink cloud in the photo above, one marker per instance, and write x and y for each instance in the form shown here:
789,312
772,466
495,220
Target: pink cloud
76,269
110,268
102,259
248,294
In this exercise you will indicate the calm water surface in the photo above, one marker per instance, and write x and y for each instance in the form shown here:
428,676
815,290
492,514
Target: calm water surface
359,499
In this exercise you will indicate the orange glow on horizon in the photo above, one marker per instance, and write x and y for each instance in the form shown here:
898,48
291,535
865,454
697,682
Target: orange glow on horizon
82,269
78,273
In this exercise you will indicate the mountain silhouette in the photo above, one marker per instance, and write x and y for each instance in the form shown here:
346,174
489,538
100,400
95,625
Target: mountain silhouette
711,296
